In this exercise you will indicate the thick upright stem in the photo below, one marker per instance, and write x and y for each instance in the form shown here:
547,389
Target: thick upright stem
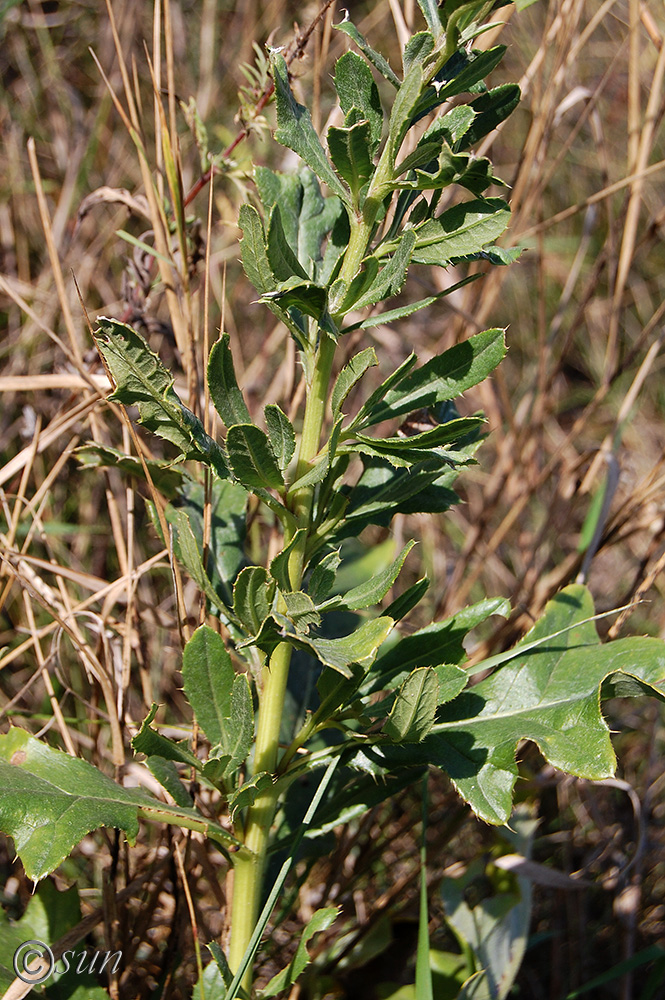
249,869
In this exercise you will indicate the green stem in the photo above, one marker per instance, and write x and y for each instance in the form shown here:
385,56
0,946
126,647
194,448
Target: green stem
250,868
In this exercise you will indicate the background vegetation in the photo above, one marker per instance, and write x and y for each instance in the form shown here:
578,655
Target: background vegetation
91,615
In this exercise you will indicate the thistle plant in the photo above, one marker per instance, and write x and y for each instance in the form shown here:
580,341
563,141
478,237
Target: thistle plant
393,186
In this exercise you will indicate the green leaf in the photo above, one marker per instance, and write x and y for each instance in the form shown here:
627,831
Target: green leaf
253,250
351,373
323,576
220,698
460,231
392,315
376,588
167,775
279,567
349,150
360,647
412,715
307,218
248,792
252,597
442,378
392,276
153,744
188,553
50,801
430,9
166,476
548,695
281,433
301,610
493,928
452,126
440,434
295,130
407,601
306,296
283,261
228,507
440,642
404,108
252,459
397,376
465,69
376,59
490,110
321,920
357,91
224,392
142,379
418,49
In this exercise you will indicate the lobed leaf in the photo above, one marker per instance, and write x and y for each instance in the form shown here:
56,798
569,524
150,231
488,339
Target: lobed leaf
50,801
550,695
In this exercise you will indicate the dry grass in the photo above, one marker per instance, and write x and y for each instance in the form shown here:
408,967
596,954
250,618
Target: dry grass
93,618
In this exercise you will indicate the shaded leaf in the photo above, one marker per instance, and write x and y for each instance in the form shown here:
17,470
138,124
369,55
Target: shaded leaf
301,610
153,744
248,792
412,714
351,373
349,151
219,697
167,775
490,110
321,920
283,261
279,567
392,275
438,643
405,603
323,576
166,476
